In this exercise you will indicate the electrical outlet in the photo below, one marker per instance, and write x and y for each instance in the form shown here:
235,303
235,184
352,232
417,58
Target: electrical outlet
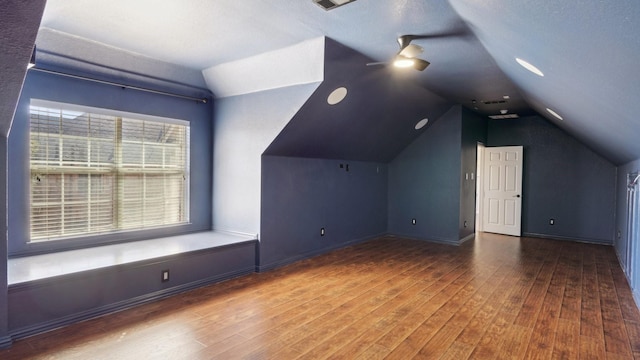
165,275
321,231
552,222
413,221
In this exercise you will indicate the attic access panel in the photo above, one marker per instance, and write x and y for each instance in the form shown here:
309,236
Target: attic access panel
331,4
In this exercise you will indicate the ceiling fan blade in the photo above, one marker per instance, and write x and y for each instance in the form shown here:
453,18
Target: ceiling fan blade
420,64
377,63
455,30
411,51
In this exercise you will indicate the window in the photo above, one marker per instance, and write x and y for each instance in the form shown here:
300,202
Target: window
95,171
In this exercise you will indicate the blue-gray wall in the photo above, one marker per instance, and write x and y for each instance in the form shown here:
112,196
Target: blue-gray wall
302,195
39,85
424,183
5,339
18,29
78,296
244,126
562,179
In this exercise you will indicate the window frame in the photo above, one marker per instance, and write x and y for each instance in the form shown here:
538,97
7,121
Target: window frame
117,169
63,89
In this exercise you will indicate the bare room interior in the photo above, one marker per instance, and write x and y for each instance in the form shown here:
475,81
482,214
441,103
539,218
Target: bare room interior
314,179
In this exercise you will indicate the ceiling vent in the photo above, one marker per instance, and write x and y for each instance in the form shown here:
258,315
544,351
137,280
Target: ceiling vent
331,4
505,116
493,102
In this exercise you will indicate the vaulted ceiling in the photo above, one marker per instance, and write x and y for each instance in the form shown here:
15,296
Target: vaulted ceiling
586,49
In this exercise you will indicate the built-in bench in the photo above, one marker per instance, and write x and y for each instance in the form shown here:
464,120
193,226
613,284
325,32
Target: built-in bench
50,290
30,268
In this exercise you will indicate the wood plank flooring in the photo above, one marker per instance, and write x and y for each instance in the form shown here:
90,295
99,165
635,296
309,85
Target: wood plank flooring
496,297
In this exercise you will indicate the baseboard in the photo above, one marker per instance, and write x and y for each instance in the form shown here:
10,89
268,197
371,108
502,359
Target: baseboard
121,305
634,292
569,238
5,342
466,238
636,297
429,239
310,254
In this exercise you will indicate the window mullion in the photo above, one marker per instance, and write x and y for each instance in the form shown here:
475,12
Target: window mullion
117,213
164,174
144,176
89,166
62,176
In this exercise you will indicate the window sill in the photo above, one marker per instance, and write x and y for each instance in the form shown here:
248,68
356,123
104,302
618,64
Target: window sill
37,267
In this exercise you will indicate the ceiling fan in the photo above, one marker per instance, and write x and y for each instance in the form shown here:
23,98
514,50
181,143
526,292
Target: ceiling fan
407,55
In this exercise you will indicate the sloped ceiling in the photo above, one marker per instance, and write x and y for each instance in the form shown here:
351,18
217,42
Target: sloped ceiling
204,34
588,52
587,49
18,30
374,122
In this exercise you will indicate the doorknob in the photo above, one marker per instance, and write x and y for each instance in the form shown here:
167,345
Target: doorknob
516,195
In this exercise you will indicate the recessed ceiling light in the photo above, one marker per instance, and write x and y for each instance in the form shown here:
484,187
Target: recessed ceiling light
506,97
421,123
554,114
529,67
337,95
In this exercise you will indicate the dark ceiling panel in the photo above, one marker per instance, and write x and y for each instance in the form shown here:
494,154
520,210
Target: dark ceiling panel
374,122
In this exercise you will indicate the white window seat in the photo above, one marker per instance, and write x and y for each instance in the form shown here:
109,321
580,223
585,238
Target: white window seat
37,267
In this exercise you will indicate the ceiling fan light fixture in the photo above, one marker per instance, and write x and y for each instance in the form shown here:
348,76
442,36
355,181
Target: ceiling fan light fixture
411,51
403,62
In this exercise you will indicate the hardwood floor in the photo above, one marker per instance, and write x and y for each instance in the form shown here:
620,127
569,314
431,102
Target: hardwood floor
496,297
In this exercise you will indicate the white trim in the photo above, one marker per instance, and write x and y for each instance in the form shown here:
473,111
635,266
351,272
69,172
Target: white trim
479,186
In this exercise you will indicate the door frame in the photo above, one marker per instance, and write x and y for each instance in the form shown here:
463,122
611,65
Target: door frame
479,186
632,227
480,189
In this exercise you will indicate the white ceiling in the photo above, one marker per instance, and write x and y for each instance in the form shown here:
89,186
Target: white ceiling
203,33
587,49
200,34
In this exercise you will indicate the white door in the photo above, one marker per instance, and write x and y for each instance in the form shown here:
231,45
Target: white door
502,204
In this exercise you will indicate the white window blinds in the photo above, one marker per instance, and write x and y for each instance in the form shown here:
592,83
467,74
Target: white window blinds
95,171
